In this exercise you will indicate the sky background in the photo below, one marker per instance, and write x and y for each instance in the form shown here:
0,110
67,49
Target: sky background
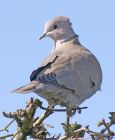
22,22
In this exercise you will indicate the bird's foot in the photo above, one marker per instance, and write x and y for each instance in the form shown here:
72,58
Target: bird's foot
72,112
79,109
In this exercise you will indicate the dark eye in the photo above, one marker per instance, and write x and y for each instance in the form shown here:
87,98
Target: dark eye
55,26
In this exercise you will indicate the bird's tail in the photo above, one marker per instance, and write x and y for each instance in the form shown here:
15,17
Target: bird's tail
31,87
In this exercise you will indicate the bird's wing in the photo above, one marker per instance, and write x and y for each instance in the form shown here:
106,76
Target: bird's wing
41,69
31,87
83,75
77,70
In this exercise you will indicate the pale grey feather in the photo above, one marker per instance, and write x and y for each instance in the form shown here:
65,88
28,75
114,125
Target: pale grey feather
76,68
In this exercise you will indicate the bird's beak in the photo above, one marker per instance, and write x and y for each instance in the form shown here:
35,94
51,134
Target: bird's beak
44,35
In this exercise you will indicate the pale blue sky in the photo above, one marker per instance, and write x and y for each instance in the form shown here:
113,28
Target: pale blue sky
22,21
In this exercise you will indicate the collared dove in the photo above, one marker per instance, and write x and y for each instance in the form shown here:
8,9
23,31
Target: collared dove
70,74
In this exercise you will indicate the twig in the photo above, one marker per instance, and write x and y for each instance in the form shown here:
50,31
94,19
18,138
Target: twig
92,137
63,110
6,136
5,128
48,125
72,134
97,134
19,136
107,127
42,118
87,130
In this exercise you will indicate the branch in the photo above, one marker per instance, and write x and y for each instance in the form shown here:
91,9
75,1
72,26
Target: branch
43,117
94,135
74,133
79,109
27,125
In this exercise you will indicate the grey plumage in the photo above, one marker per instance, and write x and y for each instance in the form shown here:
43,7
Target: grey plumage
70,74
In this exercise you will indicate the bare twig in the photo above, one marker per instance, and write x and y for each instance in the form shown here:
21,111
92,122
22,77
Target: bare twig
6,136
92,137
19,136
107,127
64,110
87,130
5,128
72,134
43,117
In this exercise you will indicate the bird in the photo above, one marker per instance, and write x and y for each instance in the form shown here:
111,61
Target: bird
70,74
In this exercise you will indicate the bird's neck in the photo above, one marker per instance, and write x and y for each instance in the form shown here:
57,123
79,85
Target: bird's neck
68,37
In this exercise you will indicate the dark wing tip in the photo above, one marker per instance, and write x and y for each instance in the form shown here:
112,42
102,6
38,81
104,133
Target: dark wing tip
33,75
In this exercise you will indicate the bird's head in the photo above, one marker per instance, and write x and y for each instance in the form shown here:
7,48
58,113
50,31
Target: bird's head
57,28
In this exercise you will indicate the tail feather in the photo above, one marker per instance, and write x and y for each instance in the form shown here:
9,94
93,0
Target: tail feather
31,87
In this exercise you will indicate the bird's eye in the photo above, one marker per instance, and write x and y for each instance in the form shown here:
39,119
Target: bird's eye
55,26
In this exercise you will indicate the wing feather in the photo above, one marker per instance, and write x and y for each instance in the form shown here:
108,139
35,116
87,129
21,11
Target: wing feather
49,78
75,68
